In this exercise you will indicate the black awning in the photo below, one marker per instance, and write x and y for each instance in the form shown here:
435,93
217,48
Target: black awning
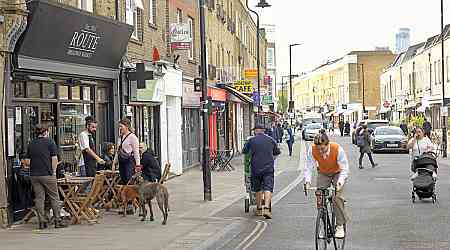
236,93
64,39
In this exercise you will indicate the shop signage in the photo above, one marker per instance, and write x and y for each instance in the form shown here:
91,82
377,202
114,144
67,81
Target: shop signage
244,86
60,34
180,36
444,111
153,92
217,94
250,73
267,99
84,42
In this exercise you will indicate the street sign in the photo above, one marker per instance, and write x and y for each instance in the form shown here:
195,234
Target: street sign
444,111
250,73
244,86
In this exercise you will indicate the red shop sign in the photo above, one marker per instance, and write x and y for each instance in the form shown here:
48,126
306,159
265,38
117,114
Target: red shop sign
217,94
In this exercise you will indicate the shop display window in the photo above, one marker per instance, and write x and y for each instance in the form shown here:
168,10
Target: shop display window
87,93
33,90
19,89
48,91
76,92
102,94
63,92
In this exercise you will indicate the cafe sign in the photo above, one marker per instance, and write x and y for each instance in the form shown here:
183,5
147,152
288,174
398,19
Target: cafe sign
180,36
244,86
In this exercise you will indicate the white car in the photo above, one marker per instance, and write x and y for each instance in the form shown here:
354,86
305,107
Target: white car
311,130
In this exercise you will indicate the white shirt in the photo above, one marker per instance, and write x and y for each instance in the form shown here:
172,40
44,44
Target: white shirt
83,142
421,146
312,164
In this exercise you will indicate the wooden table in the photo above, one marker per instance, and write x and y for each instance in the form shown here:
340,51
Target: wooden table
110,192
71,188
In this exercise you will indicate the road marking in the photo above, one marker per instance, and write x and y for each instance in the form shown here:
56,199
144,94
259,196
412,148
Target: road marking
259,223
256,236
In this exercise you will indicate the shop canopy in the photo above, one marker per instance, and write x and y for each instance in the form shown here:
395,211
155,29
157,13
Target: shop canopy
236,93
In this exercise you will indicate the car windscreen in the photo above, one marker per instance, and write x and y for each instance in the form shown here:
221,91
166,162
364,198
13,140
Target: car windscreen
388,131
374,125
314,126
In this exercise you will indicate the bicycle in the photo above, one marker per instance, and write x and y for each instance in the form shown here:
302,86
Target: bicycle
325,228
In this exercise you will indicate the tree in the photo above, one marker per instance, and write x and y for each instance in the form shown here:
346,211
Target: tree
282,104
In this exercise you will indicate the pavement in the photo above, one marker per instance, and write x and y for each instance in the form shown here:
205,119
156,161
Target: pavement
378,200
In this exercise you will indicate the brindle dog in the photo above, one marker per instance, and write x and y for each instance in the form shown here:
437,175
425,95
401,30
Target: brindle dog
150,190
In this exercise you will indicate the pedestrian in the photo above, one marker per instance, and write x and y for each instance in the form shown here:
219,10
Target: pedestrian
427,128
363,141
331,162
404,127
275,134
280,133
151,170
341,127
263,150
290,140
347,128
86,142
419,144
108,156
42,160
127,155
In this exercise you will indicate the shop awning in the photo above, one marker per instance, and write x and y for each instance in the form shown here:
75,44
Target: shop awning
236,93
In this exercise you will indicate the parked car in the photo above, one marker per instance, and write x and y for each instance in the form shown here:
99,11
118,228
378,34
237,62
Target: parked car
371,125
389,138
311,130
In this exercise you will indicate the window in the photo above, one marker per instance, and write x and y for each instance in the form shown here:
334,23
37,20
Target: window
132,15
86,5
152,11
192,35
76,93
63,92
86,93
33,90
179,16
435,74
48,90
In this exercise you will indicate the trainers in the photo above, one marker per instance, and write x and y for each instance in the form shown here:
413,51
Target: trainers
60,224
266,213
340,233
375,165
361,167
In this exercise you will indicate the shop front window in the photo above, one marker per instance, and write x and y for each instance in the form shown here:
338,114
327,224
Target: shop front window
48,91
63,92
87,93
102,94
33,90
19,89
76,93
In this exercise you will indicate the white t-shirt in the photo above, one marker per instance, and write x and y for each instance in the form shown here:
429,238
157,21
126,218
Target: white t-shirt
83,142
421,146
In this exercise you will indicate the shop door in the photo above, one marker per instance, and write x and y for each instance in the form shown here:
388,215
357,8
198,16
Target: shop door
27,116
191,137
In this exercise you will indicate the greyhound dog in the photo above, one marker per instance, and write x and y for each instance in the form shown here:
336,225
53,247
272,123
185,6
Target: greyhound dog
150,190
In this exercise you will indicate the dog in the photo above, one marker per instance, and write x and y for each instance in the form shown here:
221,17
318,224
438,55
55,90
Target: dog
129,193
150,190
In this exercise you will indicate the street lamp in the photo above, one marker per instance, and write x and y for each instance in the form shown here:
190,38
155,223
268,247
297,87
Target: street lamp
291,103
261,4
444,122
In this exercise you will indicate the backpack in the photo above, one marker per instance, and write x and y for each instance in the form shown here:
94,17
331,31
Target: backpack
360,140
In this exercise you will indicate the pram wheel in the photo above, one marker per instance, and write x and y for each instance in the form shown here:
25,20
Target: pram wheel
247,205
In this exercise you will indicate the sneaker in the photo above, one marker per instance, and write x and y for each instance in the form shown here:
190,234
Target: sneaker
375,165
266,213
340,233
361,167
60,224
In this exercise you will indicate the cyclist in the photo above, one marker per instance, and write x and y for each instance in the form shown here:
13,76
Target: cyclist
332,167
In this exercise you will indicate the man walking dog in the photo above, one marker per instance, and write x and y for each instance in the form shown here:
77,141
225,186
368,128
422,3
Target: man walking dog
262,149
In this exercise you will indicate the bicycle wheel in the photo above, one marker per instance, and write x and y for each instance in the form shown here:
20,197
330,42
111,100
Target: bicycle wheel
321,231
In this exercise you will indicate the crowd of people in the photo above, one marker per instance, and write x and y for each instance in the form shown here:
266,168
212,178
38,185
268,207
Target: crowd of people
42,159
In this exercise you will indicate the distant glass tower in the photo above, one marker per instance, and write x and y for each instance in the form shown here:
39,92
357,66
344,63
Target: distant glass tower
402,40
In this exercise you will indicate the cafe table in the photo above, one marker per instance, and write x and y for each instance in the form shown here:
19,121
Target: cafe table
71,189
110,192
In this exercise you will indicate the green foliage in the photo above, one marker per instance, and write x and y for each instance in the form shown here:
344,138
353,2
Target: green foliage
282,103
416,121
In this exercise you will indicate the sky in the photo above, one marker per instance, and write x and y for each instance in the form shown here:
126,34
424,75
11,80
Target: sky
329,29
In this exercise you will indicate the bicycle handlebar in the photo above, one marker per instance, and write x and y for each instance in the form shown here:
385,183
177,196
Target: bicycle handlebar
305,190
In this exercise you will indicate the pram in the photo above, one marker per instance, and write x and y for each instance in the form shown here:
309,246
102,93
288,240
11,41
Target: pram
425,169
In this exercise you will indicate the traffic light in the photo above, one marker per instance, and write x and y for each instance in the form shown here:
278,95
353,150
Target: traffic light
198,85
291,106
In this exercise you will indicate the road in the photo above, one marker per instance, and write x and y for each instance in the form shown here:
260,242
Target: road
378,201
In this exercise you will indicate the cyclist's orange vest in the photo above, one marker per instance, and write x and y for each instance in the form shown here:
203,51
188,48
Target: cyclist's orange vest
328,165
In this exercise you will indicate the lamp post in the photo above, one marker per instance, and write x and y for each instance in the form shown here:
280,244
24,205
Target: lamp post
444,122
291,103
207,196
261,4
